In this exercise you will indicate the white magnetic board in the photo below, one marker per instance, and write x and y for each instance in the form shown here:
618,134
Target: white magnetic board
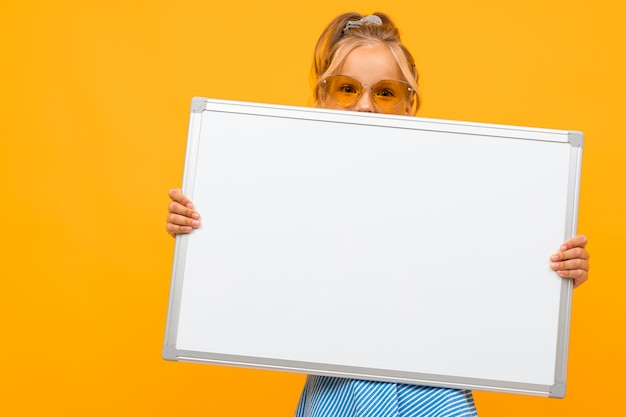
375,247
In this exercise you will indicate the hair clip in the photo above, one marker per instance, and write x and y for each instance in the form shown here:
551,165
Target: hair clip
371,19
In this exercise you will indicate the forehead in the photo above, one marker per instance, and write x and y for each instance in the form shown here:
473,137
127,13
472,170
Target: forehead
371,63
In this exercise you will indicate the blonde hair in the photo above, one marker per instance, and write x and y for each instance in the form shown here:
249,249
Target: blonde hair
334,46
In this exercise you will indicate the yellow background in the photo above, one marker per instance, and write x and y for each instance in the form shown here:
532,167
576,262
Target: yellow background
94,104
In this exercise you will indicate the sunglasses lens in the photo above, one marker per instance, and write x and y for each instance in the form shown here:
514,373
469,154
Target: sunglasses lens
344,90
389,93
386,94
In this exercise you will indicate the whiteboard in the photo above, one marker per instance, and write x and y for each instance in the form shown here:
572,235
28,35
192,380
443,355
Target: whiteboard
375,247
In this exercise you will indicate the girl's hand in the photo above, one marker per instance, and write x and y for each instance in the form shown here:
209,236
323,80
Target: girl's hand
181,216
572,261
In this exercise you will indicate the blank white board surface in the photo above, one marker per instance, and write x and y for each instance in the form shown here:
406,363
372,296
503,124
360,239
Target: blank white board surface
375,247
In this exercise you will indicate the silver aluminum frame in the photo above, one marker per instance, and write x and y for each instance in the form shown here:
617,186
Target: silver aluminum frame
171,352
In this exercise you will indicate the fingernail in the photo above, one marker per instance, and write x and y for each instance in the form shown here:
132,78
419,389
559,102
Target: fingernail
554,265
563,247
195,223
554,258
195,216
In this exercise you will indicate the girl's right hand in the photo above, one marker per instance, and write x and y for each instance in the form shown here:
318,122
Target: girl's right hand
181,216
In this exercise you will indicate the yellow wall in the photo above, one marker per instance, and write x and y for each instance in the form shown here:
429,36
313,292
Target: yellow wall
94,103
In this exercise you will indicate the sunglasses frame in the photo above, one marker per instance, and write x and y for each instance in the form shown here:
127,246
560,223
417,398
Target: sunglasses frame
409,91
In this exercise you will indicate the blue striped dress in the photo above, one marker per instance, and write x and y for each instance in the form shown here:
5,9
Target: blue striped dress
325,396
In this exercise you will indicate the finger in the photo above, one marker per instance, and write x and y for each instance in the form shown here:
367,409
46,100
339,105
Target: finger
578,241
180,220
577,275
177,208
571,265
176,194
174,229
575,253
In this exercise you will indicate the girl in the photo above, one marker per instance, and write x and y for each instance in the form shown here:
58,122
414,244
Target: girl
360,64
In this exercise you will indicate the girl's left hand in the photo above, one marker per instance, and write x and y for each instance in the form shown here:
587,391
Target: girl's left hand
572,261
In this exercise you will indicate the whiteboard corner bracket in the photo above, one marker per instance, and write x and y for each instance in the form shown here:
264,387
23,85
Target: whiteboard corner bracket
170,352
198,104
575,138
557,390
